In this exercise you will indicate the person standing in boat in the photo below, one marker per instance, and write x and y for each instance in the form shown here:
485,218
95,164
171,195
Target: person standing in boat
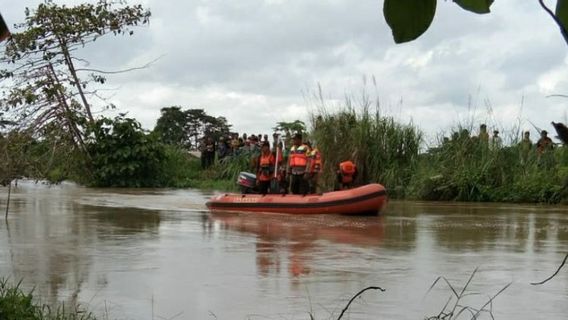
297,165
346,174
265,171
314,168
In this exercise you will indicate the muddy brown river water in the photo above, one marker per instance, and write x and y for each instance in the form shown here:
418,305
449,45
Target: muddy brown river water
158,254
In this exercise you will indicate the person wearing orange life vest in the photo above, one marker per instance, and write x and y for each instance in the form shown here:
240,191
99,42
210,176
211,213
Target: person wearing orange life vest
346,174
265,168
314,168
298,166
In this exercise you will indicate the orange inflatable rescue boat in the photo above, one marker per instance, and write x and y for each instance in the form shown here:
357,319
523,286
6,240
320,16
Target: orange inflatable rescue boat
369,199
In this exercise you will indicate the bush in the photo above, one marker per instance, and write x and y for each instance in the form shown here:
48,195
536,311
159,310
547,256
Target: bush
122,154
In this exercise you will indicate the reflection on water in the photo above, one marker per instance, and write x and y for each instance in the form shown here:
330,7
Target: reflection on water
293,238
146,254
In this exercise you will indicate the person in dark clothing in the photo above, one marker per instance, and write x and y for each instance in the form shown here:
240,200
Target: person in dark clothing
222,149
544,144
201,149
209,152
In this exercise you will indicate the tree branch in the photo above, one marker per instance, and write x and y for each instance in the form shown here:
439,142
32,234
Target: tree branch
555,273
557,96
355,296
556,20
121,71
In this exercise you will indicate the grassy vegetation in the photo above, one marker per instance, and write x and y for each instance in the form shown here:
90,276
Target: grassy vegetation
466,169
384,150
15,304
459,169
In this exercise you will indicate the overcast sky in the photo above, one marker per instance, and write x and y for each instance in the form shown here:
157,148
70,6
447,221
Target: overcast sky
255,61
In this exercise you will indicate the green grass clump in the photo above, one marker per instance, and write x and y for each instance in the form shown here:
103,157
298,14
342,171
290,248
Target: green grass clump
383,149
15,304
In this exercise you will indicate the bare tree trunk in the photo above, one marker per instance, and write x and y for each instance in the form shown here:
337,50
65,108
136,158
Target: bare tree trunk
8,201
66,110
71,66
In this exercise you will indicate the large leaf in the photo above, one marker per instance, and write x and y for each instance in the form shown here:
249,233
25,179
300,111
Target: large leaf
562,13
4,32
408,19
477,6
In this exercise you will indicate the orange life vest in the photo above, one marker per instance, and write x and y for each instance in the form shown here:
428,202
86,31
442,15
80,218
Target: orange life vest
298,156
315,161
347,170
265,167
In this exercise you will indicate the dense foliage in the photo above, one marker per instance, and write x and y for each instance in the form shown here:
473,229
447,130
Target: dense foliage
123,154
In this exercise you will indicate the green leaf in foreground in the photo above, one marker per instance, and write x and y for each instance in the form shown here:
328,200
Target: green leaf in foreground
408,19
562,12
477,6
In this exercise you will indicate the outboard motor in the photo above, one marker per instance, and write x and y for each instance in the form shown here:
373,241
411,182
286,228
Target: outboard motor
247,182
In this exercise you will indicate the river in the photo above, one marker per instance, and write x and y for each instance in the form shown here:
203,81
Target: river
158,254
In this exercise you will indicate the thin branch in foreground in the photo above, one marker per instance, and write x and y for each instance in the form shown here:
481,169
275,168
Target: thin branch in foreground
124,70
355,296
554,275
557,96
490,302
556,20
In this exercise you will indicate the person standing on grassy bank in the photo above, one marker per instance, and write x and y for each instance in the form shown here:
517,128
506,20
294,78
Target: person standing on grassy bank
496,141
483,135
525,146
544,144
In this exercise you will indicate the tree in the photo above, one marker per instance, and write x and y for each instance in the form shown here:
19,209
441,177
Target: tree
44,84
216,127
124,155
194,124
184,128
171,126
409,19
294,126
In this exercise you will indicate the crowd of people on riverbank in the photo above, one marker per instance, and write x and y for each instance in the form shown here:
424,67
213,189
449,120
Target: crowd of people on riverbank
285,164
527,147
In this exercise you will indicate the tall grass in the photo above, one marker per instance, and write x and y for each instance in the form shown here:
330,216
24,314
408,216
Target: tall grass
15,304
460,167
383,149
466,169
